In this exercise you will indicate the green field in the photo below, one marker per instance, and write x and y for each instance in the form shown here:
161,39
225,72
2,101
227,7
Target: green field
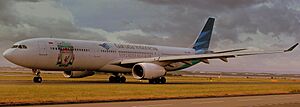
55,88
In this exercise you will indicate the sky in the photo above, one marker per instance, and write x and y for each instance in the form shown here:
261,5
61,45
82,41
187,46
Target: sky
252,24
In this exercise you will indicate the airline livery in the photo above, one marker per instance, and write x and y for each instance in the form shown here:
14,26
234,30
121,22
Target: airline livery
82,58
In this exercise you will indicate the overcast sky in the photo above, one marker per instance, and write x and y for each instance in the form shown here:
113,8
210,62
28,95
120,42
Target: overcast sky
254,24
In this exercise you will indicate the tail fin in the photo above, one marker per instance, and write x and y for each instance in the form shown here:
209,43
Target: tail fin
201,44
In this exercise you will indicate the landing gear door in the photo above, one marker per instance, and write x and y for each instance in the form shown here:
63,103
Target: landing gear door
42,48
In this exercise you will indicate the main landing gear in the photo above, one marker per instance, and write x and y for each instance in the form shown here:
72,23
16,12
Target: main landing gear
37,78
160,80
117,78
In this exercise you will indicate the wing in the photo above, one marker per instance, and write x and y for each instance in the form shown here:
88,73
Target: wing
184,58
234,50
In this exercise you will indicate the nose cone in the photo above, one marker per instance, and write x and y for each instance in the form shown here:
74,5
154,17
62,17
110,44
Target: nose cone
8,55
16,56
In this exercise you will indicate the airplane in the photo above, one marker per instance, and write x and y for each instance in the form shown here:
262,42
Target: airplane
83,58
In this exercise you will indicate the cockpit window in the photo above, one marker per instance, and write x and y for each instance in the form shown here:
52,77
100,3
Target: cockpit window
24,46
15,46
20,46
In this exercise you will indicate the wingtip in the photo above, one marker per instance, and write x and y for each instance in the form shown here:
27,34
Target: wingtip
292,48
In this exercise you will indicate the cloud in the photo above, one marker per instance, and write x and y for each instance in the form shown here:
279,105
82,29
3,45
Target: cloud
213,5
263,24
23,19
234,19
7,13
269,24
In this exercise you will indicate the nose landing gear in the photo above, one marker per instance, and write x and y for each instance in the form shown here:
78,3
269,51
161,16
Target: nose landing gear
37,78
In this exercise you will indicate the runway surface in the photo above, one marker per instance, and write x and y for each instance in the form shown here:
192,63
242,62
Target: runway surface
292,100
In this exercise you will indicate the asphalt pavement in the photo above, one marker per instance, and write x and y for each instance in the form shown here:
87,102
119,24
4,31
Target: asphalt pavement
291,100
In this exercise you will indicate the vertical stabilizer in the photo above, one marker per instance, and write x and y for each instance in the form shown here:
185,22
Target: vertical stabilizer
201,44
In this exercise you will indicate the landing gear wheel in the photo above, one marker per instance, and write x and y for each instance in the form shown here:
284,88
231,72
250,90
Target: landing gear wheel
37,79
152,81
117,79
160,80
112,79
122,79
163,80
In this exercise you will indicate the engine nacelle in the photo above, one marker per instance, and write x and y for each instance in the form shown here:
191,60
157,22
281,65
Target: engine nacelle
147,71
78,74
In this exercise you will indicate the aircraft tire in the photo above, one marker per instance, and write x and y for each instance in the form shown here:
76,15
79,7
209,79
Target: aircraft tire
112,79
151,81
122,79
160,80
117,79
37,79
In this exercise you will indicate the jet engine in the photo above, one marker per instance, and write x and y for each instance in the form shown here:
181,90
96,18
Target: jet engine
148,71
78,74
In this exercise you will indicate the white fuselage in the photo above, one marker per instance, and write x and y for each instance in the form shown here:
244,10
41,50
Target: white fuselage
77,55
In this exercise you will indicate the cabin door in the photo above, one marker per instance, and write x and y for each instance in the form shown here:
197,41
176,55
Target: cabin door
97,53
42,48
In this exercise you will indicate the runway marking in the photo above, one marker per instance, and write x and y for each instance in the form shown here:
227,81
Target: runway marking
156,105
250,99
208,102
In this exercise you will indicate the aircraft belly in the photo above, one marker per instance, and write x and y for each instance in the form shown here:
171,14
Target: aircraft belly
115,68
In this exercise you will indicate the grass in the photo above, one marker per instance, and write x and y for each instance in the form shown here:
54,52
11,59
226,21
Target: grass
16,90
